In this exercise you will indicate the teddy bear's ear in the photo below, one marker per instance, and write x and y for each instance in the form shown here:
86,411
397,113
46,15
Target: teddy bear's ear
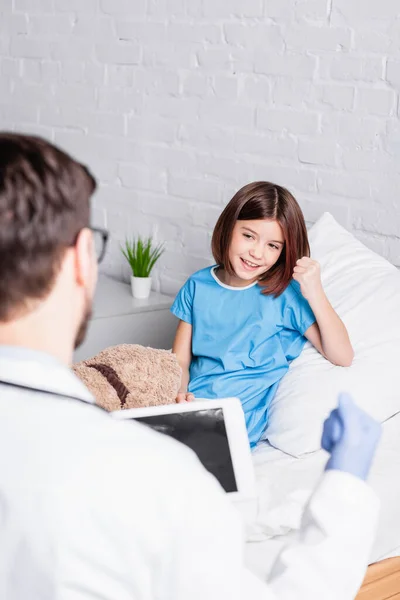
137,375
104,394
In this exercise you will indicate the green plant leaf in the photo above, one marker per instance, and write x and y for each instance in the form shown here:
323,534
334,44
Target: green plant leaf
141,255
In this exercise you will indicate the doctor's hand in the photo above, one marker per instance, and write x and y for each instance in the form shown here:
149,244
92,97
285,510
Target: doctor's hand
184,397
351,437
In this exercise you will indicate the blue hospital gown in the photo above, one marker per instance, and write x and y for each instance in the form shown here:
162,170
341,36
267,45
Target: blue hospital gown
242,341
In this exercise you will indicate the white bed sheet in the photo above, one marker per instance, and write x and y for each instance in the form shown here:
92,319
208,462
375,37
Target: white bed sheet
285,483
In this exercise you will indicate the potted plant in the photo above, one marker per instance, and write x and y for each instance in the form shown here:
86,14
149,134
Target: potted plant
141,255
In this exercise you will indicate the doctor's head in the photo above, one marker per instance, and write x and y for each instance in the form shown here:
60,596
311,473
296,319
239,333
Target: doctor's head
48,262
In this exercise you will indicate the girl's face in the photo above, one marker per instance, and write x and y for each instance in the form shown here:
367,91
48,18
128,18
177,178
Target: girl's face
255,248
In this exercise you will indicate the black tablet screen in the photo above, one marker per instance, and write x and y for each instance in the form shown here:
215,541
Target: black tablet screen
204,432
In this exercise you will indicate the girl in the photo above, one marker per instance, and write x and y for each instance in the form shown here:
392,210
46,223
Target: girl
243,320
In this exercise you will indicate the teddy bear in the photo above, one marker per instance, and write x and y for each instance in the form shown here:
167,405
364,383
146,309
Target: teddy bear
131,376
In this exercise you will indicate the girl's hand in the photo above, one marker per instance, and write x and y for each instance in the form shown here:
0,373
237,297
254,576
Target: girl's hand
184,397
307,272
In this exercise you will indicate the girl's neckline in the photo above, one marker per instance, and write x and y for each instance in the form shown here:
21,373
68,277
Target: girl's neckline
230,287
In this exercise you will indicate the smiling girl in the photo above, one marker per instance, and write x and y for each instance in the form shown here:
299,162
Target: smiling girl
244,319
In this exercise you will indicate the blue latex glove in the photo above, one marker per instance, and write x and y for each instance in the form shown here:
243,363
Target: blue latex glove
351,436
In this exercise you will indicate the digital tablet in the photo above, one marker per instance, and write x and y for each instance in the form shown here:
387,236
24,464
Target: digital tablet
215,430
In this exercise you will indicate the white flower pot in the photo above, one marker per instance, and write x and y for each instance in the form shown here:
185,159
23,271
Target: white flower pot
141,287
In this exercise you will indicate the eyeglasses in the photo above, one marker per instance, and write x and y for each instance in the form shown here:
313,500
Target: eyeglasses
100,237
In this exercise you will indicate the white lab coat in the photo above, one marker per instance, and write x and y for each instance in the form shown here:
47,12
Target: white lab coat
95,508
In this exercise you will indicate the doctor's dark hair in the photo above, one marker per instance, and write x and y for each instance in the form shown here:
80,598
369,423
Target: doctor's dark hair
264,200
44,204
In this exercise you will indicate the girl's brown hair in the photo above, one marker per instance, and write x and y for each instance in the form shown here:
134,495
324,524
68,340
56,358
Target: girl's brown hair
264,200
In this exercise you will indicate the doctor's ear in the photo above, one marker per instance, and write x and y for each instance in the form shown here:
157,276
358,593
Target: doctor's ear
85,258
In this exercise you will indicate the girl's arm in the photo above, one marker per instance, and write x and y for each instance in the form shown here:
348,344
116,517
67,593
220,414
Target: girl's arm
329,334
182,347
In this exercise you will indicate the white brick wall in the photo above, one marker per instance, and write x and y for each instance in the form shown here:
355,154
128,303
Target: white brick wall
176,103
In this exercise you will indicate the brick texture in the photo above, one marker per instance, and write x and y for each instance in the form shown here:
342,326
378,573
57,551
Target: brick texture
174,104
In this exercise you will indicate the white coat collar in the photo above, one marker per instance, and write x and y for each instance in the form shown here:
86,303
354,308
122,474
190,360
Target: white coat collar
41,372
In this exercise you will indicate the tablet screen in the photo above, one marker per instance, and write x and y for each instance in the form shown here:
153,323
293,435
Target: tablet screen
204,432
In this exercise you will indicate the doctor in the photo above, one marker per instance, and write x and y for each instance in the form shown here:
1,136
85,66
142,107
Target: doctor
95,508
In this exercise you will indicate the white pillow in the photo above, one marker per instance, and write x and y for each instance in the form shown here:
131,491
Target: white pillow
364,289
